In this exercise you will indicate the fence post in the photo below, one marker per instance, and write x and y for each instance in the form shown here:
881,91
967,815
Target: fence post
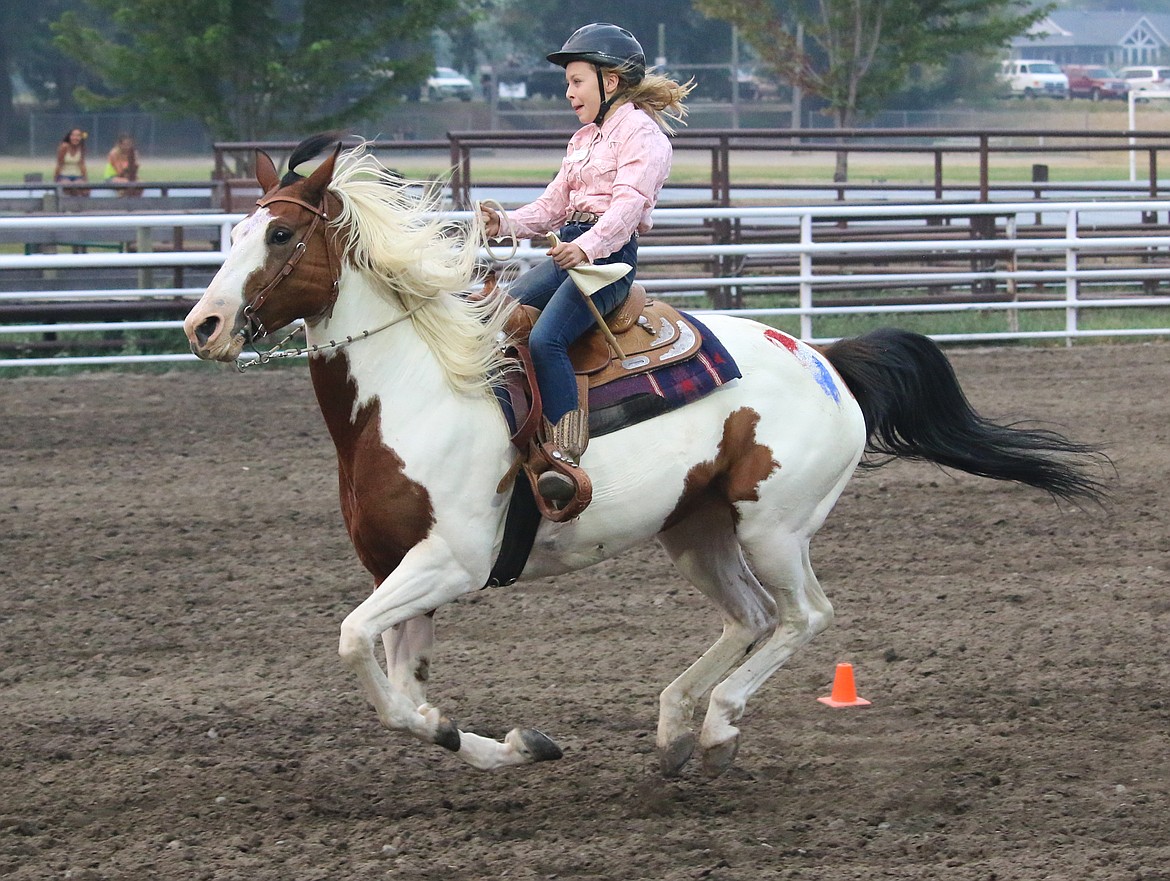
1011,227
177,246
144,244
984,168
806,268
1070,286
460,173
983,227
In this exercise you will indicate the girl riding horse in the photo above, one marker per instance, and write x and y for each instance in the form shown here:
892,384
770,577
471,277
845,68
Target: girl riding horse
599,202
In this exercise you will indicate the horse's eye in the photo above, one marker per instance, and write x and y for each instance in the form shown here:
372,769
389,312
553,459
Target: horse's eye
280,237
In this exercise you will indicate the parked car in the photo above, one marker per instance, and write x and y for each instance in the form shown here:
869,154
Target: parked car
1094,82
746,84
547,81
446,82
1033,78
1143,77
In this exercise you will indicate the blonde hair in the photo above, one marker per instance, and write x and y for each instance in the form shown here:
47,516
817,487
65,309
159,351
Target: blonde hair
394,234
657,95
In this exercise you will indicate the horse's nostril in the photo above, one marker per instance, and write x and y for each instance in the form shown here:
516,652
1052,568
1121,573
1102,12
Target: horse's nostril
206,330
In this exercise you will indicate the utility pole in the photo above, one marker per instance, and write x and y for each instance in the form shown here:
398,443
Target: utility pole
734,77
797,93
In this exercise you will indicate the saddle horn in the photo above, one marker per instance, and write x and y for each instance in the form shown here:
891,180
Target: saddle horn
589,279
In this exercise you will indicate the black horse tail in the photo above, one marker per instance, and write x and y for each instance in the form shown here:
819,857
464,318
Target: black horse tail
915,409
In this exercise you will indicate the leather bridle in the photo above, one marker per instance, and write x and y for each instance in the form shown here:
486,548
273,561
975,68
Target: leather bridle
253,326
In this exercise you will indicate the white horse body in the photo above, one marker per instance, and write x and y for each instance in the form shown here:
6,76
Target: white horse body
457,445
734,485
639,473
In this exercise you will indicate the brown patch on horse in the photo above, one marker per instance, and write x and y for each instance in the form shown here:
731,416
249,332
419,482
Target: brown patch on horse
386,513
740,465
308,290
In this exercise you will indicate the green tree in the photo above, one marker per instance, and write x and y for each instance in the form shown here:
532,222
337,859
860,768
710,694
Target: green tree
527,30
26,51
855,54
254,68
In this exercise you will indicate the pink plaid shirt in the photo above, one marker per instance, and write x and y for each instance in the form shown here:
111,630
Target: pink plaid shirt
616,171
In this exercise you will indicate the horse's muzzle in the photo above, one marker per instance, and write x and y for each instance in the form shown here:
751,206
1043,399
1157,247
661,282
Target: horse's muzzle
204,332
210,337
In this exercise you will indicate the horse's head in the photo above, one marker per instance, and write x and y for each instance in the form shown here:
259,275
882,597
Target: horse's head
283,263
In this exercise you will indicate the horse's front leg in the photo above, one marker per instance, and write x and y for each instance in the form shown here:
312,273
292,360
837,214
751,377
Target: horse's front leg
429,576
408,649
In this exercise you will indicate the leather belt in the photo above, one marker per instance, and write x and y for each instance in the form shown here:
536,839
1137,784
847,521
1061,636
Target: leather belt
582,217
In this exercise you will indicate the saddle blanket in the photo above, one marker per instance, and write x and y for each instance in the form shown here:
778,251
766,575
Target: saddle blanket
634,399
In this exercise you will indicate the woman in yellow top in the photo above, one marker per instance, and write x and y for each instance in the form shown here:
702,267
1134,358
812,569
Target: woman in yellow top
71,160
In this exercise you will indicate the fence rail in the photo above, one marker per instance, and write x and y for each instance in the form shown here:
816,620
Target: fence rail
802,264
941,151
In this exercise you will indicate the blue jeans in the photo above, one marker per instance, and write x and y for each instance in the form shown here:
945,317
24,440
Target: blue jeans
564,317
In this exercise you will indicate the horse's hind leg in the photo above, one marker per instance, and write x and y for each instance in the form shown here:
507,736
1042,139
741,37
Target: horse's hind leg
705,551
782,564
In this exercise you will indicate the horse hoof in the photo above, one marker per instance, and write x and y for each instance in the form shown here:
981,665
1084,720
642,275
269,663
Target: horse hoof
672,758
447,735
720,757
534,745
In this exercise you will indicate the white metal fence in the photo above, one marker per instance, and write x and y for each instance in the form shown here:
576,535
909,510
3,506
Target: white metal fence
1086,255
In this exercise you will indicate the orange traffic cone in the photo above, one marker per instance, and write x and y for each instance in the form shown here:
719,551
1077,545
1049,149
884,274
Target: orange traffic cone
844,690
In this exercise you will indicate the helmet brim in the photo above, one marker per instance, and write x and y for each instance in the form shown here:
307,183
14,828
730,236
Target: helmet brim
563,59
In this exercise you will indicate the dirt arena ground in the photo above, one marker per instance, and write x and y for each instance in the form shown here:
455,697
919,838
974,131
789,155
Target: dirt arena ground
173,570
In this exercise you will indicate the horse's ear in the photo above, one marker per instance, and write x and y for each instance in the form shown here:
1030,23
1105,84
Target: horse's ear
266,174
322,176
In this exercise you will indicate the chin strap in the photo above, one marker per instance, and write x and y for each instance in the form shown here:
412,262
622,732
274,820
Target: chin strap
606,103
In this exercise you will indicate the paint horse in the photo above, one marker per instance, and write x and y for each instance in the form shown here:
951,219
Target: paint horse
733,485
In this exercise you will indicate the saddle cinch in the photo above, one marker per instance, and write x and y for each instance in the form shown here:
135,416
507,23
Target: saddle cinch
649,334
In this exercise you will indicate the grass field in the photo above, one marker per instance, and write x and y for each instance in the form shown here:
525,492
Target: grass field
750,167
690,167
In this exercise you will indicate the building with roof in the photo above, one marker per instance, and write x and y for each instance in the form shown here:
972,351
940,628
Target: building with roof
1114,39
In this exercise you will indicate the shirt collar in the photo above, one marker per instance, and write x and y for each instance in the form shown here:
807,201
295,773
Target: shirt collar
616,114
591,130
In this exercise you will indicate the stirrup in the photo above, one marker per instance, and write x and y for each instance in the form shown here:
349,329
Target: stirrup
556,488
562,486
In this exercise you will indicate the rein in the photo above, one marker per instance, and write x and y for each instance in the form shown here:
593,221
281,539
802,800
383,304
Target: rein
278,351
505,230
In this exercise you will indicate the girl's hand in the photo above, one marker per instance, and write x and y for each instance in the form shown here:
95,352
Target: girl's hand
491,221
566,255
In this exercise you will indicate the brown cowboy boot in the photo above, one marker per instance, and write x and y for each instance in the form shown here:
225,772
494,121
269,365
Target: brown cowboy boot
565,443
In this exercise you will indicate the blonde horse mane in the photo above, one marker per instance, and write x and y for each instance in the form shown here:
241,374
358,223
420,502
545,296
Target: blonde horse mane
392,232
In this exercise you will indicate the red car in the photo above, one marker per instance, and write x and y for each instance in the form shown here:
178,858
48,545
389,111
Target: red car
1095,82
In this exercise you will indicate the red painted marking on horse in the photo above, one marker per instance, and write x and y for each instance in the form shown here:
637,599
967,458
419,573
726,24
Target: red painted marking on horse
804,355
783,340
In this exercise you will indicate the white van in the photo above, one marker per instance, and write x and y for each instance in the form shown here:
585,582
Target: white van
1034,78
1146,77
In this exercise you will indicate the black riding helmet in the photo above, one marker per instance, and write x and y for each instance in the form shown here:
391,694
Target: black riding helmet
604,45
